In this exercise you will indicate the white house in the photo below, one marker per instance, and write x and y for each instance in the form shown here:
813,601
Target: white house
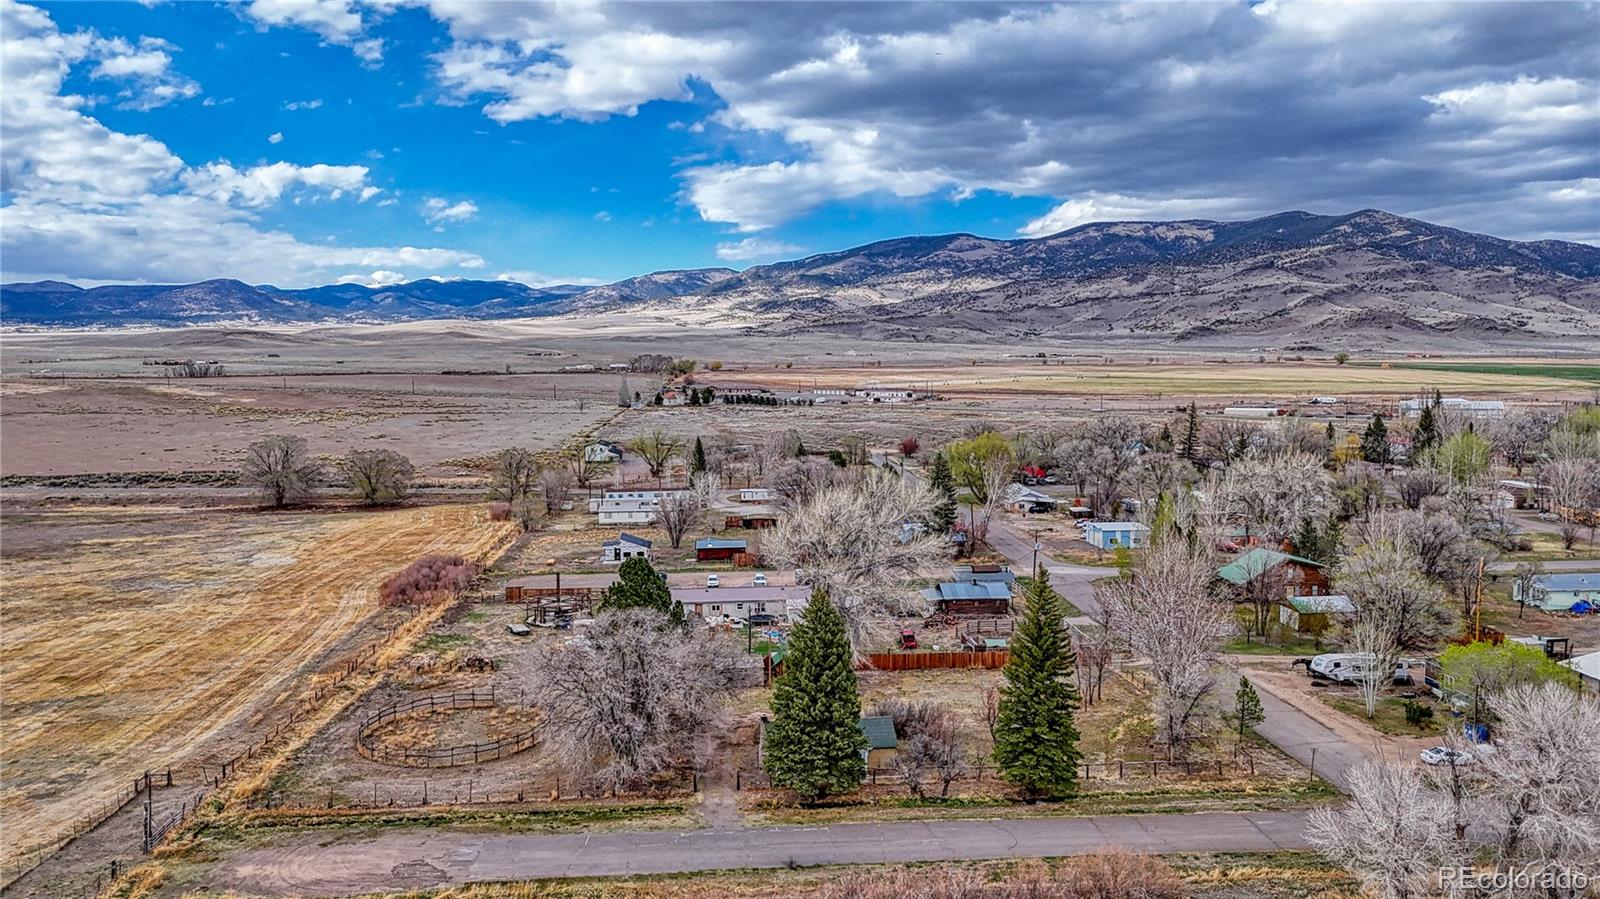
602,452
1116,534
626,511
653,497
1019,498
755,495
740,602
626,546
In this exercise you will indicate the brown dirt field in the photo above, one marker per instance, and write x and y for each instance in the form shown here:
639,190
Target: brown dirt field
151,424
125,651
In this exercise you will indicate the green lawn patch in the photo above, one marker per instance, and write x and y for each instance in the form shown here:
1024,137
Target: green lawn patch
1566,371
1390,717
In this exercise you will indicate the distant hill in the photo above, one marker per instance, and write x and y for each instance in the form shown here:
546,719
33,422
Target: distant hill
1287,279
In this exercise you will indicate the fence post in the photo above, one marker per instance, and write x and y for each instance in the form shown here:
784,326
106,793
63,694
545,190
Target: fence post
738,777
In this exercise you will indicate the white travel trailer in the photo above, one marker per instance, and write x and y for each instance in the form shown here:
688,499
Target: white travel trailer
1344,667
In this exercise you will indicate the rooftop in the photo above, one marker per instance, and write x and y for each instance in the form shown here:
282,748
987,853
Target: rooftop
720,543
879,730
1570,580
1253,563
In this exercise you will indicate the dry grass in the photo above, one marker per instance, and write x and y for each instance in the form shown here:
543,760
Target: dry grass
121,654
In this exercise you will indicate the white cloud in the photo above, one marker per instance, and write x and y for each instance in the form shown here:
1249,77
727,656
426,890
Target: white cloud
335,21
369,192
1094,207
294,105
752,248
602,216
437,211
275,137
145,67
89,203
540,279
380,278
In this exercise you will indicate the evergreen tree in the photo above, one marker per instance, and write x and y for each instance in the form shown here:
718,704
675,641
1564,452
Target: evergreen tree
1247,711
1035,741
1333,435
944,484
1306,540
640,586
1425,437
814,744
1332,538
1375,441
697,462
1164,439
694,397
1191,436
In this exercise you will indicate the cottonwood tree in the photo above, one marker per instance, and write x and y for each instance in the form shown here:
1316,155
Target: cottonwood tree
1397,608
514,476
676,511
1417,484
706,487
851,539
624,394
798,481
1165,612
1483,670
657,449
1391,833
584,470
281,470
555,484
1463,459
974,461
635,697
1271,494
1093,651
1541,781
1517,436
1572,481
378,476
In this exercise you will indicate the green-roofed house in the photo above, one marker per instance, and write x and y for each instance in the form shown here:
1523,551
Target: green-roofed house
882,742
1299,576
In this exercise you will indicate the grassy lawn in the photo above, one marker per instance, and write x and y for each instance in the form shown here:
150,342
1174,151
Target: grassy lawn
565,818
1547,548
1024,582
1256,646
1390,717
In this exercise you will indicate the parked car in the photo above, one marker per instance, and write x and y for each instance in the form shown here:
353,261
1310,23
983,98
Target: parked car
713,581
519,630
1443,755
761,580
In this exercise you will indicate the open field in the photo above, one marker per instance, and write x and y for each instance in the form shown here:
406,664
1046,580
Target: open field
157,424
136,635
1588,373
1278,380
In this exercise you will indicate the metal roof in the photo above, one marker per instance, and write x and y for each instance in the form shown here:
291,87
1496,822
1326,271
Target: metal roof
1256,562
720,543
880,733
1576,581
947,591
626,537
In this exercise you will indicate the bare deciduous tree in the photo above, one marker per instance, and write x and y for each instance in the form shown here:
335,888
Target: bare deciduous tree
929,740
851,539
1272,494
636,697
584,471
1571,480
1094,651
378,476
514,477
1417,484
796,481
555,484
1392,832
1166,613
657,449
675,512
280,469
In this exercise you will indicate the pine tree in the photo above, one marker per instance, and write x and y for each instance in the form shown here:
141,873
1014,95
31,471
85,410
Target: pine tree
1307,542
624,395
1332,434
1191,436
1375,441
815,745
697,463
1036,743
1247,711
944,484
640,586
1425,437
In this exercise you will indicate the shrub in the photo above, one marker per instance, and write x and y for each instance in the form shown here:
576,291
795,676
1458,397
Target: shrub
500,511
1418,714
428,580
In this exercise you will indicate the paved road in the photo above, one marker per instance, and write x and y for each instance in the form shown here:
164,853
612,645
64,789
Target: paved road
310,865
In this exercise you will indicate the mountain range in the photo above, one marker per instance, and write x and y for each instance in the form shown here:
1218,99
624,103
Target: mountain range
1284,277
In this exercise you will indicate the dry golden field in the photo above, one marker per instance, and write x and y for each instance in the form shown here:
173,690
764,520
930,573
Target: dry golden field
135,634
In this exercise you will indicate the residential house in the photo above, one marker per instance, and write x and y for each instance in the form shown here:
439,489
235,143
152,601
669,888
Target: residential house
752,519
1019,498
1116,534
977,573
1518,494
1300,576
1575,591
652,497
719,549
741,602
756,495
1314,614
625,511
969,598
626,546
602,451
674,397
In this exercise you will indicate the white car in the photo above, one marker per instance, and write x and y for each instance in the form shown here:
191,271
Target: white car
761,580
713,581
1444,755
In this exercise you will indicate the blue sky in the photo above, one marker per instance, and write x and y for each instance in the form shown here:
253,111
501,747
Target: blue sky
306,142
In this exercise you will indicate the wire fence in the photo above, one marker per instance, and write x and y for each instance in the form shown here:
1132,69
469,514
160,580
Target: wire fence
1119,769
444,756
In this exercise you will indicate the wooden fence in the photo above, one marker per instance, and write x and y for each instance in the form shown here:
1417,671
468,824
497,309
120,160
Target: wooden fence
1120,769
444,756
917,661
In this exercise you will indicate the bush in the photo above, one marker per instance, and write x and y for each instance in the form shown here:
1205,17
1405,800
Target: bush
428,580
499,511
1417,714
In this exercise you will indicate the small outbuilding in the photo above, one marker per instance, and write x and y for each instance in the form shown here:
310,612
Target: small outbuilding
970,598
1116,534
626,546
719,549
1313,614
883,744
